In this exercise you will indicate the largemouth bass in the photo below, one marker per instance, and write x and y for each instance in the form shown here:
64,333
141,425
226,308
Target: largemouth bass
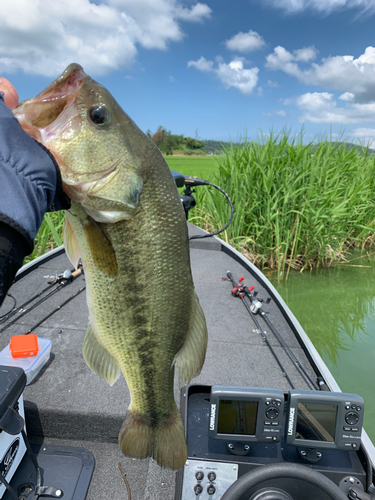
127,225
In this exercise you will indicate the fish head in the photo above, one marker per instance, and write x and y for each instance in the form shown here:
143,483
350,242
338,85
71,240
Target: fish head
95,143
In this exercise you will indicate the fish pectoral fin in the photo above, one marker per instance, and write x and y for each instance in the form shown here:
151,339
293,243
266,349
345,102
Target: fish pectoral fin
98,358
190,358
101,248
70,244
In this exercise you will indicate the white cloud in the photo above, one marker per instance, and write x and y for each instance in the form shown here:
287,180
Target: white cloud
43,36
365,135
270,83
313,100
354,76
321,107
202,64
235,75
281,112
231,75
322,6
347,96
306,54
196,14
245,42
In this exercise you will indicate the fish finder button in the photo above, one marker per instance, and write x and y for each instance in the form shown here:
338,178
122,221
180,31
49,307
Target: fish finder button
272,413
351,418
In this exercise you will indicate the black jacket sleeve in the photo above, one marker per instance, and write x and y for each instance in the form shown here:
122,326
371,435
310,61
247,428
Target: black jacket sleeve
13,249
28,178
29,181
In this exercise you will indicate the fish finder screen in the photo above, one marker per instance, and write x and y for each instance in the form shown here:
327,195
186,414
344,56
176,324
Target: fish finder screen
237,417
316,422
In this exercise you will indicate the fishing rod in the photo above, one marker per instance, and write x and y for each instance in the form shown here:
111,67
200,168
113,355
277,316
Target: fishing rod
238,292
15,309
256,307
288,351
55,310
52,283
61,280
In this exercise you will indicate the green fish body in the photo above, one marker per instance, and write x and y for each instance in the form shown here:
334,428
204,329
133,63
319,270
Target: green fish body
128,227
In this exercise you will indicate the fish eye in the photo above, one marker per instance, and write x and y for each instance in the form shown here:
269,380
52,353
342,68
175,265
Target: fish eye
99,115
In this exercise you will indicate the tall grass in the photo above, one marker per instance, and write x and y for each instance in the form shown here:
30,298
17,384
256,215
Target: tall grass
296,206
49,235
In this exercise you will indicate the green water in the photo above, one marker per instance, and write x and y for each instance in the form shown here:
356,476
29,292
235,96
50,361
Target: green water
336,308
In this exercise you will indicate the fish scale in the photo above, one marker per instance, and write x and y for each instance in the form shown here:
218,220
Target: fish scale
128,227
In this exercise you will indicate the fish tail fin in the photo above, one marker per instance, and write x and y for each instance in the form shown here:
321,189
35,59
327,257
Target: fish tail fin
136,436
164,442
169,442
190,358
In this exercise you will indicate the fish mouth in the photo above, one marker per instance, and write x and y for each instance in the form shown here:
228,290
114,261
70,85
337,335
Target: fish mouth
54,113
56,117
45,108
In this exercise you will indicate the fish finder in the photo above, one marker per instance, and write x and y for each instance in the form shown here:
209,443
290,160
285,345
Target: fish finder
325,420
245,414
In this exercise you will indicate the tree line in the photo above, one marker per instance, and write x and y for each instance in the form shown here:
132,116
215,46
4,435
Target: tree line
170,144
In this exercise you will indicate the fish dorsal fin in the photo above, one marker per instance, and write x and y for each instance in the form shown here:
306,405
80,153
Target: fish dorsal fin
101,248
98,358
70,244
190,358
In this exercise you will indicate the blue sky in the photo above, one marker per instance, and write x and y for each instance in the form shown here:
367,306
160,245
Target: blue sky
215,69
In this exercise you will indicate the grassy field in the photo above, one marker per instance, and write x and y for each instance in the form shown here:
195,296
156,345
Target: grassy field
199,166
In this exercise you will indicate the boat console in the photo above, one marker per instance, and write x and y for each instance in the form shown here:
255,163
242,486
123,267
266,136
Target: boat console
308,441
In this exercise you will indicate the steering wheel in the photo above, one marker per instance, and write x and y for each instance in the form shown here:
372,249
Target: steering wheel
283,470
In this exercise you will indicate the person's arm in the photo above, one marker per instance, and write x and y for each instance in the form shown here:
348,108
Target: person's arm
29,182
13,249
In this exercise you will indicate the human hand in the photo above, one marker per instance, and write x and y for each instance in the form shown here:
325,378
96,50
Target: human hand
10,93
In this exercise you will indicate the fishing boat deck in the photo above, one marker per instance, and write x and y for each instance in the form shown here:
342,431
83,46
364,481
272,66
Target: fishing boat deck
68,405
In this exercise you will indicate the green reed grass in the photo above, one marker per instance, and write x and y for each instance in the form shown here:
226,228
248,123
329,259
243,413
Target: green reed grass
49,235
296,206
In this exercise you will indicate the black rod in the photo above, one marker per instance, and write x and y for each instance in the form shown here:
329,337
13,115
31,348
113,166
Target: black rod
264,336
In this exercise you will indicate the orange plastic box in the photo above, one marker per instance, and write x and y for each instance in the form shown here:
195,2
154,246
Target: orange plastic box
24,346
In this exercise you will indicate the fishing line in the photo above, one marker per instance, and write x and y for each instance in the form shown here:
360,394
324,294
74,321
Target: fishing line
236,293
